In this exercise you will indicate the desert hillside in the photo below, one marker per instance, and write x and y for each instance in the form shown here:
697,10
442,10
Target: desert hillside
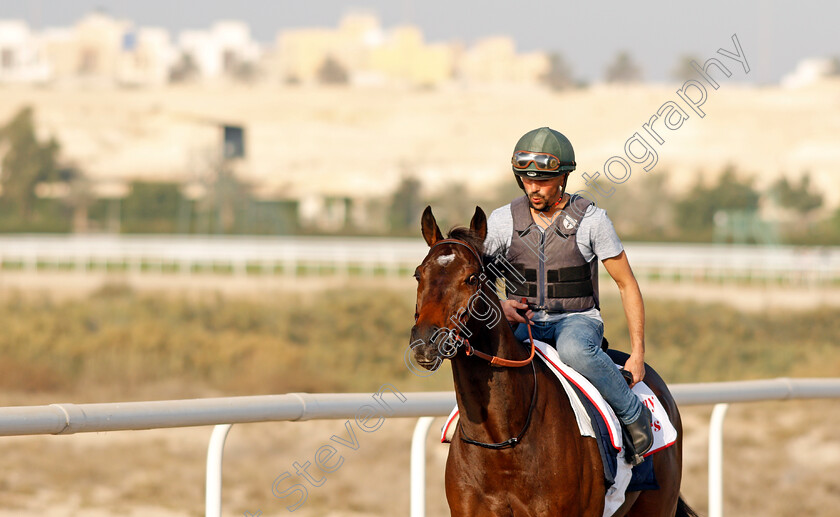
357,142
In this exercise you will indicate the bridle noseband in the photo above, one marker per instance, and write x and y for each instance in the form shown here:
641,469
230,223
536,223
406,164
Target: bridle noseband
455,336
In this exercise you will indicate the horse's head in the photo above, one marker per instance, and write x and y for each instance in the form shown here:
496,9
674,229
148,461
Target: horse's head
447,281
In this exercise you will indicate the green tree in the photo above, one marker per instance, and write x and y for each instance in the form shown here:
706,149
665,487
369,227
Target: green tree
697,209
559,73
184,70
229,196
26,162
684,71
225,196
80,197
835,66
623,70
332,72
635,220
801,198
453,206
406,206
151,207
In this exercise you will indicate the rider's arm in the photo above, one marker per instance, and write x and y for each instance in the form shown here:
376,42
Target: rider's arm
499,229
634,310
510,307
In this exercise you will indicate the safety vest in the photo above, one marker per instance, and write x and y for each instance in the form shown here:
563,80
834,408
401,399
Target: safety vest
557,277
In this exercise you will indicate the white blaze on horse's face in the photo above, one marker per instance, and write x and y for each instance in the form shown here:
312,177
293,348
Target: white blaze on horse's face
445,260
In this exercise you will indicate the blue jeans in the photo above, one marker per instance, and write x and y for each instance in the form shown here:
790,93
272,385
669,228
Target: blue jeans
577,339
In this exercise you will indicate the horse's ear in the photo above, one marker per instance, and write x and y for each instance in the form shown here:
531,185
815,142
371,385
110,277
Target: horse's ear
431,232
479,223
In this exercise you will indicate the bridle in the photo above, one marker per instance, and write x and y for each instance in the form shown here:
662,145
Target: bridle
454,335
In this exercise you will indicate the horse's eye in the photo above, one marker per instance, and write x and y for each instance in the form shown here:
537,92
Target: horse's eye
417,274
472,279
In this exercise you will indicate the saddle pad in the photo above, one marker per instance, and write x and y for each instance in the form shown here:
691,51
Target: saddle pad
664,433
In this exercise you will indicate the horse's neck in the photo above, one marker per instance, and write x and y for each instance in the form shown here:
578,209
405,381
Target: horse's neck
493,401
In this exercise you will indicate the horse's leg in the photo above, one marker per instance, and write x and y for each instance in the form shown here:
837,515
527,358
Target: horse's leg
465,503
662,502
629,501
464,494
462,501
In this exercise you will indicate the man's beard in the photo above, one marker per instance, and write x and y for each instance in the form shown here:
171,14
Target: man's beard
547,206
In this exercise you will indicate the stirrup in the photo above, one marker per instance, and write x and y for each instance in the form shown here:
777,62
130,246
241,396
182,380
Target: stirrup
638,438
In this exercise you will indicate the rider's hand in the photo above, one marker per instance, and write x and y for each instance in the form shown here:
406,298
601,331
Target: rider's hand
510,306
636,365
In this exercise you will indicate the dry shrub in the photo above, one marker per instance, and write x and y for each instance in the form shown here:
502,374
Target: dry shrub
348,341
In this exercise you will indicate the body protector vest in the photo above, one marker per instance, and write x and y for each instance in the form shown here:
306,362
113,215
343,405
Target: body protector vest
547,267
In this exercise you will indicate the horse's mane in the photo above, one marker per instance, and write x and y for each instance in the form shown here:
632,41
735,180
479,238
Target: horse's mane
470,237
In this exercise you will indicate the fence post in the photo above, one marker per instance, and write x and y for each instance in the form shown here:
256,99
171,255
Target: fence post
213,484
418,466
716,460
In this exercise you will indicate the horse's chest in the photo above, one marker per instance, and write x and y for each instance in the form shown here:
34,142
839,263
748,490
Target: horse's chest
508,484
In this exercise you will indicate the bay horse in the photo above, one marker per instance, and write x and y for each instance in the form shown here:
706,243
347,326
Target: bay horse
517,450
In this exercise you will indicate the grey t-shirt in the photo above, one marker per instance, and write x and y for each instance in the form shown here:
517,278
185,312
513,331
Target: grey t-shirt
596,239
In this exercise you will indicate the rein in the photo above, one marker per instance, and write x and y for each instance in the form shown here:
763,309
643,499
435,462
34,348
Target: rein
511,442
495,361
498,361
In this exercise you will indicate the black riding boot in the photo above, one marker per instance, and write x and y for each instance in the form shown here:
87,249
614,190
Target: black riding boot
638,437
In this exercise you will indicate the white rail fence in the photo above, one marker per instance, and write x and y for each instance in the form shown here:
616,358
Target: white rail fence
389,256
223,412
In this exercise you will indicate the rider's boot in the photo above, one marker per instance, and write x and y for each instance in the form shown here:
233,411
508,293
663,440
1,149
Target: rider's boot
639,437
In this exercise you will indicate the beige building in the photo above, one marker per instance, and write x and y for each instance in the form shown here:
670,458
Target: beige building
100,49
103,50
21,56
495,60
302,52
90,51
146,59
369,54
810,71
405,58
224,49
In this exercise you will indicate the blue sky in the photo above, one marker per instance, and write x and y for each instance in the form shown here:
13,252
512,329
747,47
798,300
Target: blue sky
775,35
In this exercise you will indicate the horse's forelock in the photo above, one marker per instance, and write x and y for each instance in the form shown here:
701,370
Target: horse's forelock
470,237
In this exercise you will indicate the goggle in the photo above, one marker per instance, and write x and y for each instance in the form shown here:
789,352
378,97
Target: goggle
542,161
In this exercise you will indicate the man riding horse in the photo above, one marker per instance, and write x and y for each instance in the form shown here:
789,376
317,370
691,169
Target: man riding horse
553,241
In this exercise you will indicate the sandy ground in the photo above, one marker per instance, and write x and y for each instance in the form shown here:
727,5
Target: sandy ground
779,461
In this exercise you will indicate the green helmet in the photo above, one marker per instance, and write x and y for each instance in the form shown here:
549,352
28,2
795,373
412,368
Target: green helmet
532,156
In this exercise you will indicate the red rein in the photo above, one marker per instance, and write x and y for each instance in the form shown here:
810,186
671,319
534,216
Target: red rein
498,361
